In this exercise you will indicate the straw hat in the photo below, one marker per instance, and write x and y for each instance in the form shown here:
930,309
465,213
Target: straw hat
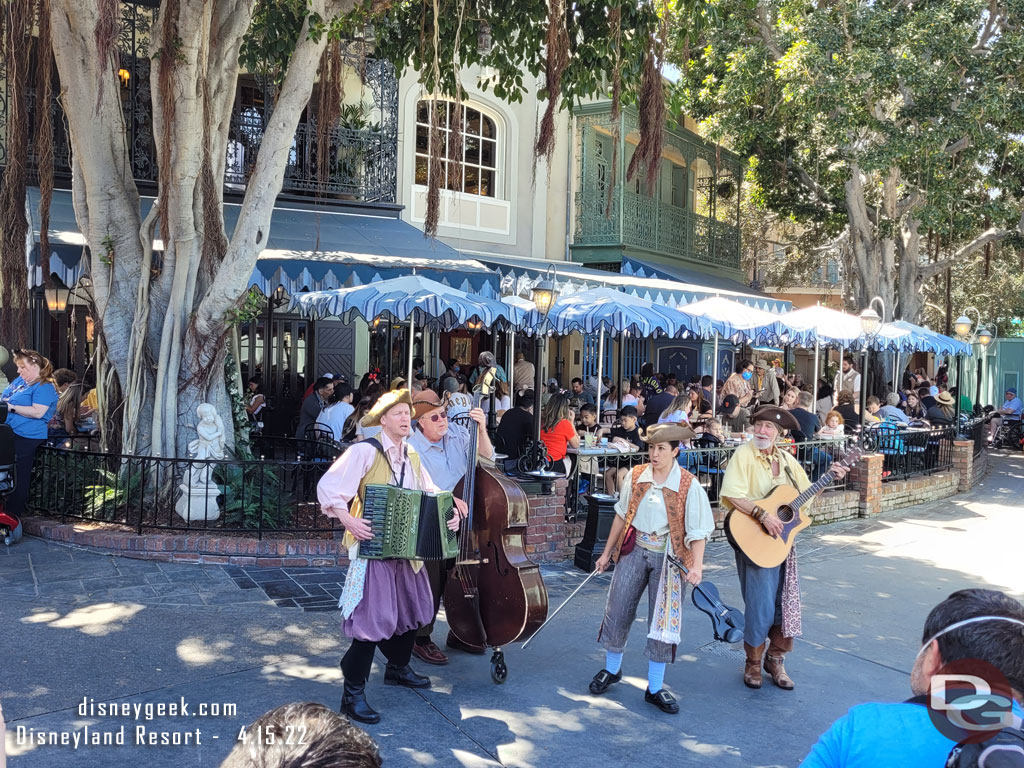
945,398
663,433
385,403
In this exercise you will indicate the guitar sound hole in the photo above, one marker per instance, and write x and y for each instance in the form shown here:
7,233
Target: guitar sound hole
785,514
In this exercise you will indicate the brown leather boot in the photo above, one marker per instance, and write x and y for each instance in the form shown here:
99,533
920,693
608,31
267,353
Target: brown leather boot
752,667
778,647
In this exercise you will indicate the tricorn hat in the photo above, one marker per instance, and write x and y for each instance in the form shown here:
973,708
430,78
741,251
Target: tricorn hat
385,403
663,433
780,417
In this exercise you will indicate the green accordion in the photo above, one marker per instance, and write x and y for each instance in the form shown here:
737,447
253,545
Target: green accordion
408,525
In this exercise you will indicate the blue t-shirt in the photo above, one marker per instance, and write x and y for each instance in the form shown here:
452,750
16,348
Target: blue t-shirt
873,735
1013,407
20,393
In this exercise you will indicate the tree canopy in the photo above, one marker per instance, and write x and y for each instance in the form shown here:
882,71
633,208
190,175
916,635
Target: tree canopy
875,124
164,324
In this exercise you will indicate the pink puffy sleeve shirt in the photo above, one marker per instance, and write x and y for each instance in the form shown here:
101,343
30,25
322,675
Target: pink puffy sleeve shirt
340,483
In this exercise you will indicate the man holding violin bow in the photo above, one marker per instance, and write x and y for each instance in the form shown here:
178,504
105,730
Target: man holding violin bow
662,514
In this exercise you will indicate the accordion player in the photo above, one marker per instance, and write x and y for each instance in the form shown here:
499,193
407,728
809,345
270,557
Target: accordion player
408,524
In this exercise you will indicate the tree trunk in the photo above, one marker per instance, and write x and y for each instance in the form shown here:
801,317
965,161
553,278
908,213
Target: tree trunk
165,333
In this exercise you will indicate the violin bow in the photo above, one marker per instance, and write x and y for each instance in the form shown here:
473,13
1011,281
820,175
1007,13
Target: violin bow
559,608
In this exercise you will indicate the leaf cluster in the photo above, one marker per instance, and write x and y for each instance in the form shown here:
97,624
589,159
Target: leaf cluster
812,90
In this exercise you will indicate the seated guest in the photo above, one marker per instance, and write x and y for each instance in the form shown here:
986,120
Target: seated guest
578,395
927,396
790,398
656,404
913,408
833,425
847,410
943,412
974,626
891,411
588,424
873,406
734,418
805,417
626,437
674,412
515,430
69,393
557,432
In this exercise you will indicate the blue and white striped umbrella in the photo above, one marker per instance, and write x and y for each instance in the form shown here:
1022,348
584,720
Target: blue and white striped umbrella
614,312
932,341
425,302
739,322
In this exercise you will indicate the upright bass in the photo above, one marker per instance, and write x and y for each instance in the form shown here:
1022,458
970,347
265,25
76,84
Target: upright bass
494,594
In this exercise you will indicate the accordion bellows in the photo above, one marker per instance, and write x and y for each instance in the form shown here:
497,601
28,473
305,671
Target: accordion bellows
408,525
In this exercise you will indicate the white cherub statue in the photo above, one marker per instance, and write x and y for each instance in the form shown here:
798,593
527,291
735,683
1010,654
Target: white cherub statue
209,443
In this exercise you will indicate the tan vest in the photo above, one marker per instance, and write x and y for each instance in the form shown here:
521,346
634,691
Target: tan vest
675,508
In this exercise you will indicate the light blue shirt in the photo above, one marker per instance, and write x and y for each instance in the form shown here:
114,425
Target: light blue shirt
445,460
892,413
873,735
1012,407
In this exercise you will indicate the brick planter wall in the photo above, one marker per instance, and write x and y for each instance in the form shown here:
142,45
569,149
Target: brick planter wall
195,548
866,479
916,490
963,462
549,539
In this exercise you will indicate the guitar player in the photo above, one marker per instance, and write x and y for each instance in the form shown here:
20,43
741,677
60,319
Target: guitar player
771,596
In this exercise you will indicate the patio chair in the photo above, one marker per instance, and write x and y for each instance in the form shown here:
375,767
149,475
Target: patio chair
892,447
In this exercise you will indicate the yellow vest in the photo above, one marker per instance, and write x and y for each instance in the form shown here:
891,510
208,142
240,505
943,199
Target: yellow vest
379,474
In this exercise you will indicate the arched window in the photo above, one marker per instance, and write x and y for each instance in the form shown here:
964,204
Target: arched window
479,161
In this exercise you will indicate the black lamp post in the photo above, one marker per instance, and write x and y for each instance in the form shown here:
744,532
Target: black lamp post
871,323
982,334
544,294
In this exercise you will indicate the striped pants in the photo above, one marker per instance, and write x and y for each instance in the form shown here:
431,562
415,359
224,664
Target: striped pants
635,572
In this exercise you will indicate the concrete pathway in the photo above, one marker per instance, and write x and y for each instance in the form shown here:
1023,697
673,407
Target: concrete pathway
82,627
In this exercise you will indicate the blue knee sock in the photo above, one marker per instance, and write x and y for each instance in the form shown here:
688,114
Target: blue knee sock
612,662
655,675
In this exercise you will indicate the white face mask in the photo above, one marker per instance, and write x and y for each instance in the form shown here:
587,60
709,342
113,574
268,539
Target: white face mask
964,623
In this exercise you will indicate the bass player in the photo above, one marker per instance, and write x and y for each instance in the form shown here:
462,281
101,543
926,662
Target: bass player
383,602
771,596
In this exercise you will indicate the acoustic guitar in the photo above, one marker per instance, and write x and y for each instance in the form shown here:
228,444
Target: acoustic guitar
786,502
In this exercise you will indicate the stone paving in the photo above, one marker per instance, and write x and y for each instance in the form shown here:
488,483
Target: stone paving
81,624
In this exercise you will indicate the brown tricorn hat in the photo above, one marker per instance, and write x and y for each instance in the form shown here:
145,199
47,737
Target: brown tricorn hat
780,417
428,400
668,431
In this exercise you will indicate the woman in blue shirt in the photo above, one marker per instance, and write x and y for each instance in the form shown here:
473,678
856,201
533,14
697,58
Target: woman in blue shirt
31,401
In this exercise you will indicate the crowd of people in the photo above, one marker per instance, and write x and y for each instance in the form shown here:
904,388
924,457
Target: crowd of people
585,414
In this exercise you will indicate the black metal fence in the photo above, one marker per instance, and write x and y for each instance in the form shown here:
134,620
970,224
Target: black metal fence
913,451
275,492
975,430
592,474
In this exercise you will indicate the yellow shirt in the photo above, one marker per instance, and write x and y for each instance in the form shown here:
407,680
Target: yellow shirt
91,401
749,474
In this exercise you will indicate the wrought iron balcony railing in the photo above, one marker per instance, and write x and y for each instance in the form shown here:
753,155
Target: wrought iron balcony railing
653,225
